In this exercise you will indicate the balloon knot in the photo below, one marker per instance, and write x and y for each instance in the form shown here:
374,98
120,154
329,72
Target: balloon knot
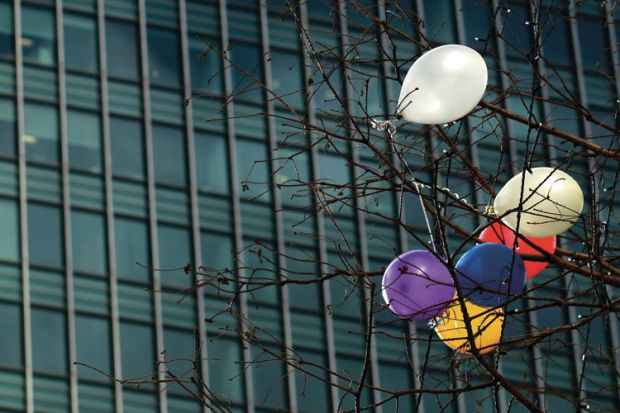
382,125
489,210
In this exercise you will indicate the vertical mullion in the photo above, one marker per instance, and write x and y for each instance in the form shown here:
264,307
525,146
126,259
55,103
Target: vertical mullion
578,349
109,209
320,217
191,161
232,158
533,317
150,170
515,169
461,402
66,207
360,216
277,207
615,58
23,208
402,234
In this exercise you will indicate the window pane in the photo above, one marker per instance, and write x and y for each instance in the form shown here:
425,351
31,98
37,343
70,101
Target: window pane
594,46
132,247
269,380
217,251
39,36
439,21
247,71
93,346
205,65
212,163
41,132
137,350
11,339
286,71
174,252
225,375
253,174
169,155
122,49
80,42
45,241
9,222
7,126
6,29
164,57
49,346
84,140
127,147
180,352
89,243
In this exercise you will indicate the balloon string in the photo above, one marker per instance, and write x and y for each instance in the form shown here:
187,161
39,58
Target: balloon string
389,127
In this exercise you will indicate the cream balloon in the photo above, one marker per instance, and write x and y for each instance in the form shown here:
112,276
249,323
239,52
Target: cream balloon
552,202
443,85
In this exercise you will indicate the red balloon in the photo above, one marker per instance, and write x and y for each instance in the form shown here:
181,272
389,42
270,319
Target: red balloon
501,234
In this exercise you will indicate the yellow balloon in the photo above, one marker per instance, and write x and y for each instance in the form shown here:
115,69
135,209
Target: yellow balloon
486,325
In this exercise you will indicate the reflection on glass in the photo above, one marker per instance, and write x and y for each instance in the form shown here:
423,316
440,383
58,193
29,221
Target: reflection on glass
45,235
174,252
7,127
84,140
93,346
49,346
286,71
225,375
122,49
11,344
127,147
132,249
38,35
594,45
89,242
164,67
169,155
217,251
9,222
41,137
211,163
80,42
137,350
205,65
6,29
252,161
247,71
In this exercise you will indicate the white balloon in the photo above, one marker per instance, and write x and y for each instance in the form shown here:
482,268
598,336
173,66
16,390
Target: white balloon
552,202
443,85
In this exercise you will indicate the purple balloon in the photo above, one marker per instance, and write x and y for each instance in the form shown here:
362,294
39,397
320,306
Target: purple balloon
417,285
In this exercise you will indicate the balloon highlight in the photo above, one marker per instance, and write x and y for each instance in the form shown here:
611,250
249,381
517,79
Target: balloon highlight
501,234
490,274
486,325
417,285
549,200
443,85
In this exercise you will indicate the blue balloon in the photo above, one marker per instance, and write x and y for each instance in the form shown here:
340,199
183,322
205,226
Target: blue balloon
490,274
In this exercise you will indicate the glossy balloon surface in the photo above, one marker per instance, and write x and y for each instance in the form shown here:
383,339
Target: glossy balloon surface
486,325
501,234
417,285
551,202
490,274
443,85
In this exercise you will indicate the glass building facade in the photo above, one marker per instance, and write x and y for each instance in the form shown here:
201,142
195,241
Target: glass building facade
105,164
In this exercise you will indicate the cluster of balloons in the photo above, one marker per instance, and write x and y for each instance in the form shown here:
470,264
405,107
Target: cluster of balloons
466,302
417,285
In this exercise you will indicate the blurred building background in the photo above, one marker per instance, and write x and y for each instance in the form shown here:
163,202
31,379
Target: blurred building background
102,165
